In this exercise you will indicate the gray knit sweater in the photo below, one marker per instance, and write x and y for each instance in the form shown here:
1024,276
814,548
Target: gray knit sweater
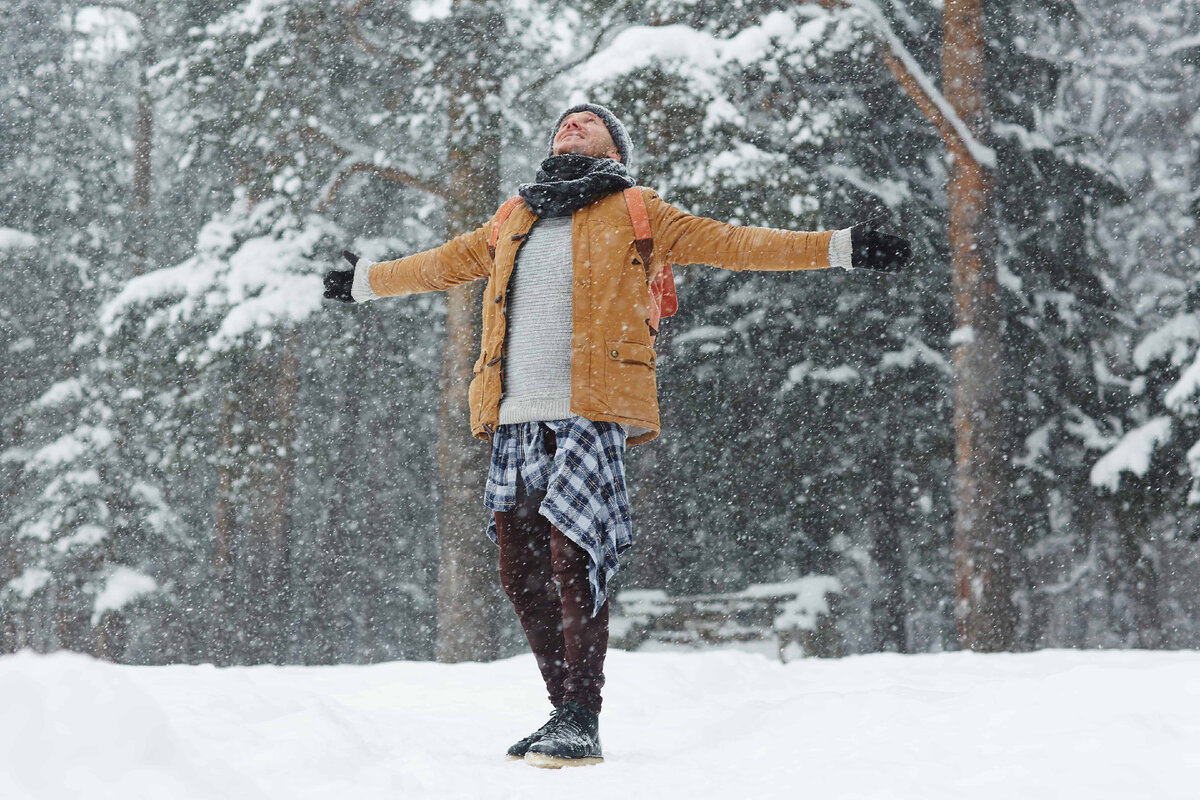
537,358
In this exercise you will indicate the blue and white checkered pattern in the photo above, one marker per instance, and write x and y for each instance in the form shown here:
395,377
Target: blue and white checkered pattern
586,497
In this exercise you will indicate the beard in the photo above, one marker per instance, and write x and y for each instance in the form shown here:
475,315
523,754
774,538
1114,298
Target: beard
582,146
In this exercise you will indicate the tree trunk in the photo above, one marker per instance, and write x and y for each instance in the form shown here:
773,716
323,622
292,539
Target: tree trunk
889,606
1137,573
468,600
140,200
225,524
336,570
280,435
982,539
143,149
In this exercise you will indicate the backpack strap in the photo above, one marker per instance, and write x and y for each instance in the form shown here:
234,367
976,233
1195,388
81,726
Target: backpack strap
663,300
499,220
643,237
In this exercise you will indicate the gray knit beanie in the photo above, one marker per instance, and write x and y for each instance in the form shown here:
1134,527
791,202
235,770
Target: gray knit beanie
615,129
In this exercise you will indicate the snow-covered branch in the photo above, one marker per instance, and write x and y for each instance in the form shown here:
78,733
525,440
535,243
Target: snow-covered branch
928,98
1132,454
255,269
356,159
699,55
352,166
369,47
1185,43
609,22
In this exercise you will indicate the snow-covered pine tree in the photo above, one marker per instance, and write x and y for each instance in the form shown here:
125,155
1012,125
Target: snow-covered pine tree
776,120
1098,264
66,181
229,317
95,553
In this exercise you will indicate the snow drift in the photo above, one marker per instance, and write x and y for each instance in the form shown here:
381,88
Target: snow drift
1053,724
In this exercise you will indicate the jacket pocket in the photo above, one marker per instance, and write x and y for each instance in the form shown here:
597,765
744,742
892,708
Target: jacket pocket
630,352
629,377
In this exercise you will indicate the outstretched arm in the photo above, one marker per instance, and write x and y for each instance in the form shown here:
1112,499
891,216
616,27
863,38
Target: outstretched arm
688,239
461,260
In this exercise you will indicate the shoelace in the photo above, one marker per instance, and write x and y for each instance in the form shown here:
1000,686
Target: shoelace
554,715
571,724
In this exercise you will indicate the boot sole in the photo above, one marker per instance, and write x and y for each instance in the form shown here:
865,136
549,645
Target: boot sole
554,762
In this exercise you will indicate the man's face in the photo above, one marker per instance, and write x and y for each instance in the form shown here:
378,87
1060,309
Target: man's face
585,134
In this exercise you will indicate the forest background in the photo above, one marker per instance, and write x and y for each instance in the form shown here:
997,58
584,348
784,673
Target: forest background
201,460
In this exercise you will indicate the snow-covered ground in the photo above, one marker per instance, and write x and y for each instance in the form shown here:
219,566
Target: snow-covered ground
1062,725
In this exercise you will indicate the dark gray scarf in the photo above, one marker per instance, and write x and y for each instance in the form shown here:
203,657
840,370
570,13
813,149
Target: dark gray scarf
568,182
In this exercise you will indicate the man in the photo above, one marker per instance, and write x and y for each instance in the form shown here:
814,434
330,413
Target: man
565,381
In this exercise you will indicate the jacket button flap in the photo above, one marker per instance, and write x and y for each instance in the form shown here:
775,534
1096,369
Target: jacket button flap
631,351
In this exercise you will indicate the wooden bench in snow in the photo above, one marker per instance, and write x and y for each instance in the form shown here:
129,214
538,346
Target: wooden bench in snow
794,615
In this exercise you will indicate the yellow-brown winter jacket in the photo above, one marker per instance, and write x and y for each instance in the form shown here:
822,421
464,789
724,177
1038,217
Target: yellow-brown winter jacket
612,361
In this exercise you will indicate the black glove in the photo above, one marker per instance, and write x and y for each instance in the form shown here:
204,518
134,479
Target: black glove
339,282
882,252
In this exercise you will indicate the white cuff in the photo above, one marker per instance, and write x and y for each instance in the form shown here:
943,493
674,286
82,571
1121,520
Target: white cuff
361,290
840,249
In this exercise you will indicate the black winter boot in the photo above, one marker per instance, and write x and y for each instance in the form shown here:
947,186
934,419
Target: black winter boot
519,749
572,741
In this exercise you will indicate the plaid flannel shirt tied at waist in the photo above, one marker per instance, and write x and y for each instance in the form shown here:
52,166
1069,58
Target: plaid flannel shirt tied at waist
584,481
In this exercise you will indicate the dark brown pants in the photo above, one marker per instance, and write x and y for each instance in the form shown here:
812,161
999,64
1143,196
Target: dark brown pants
545,575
